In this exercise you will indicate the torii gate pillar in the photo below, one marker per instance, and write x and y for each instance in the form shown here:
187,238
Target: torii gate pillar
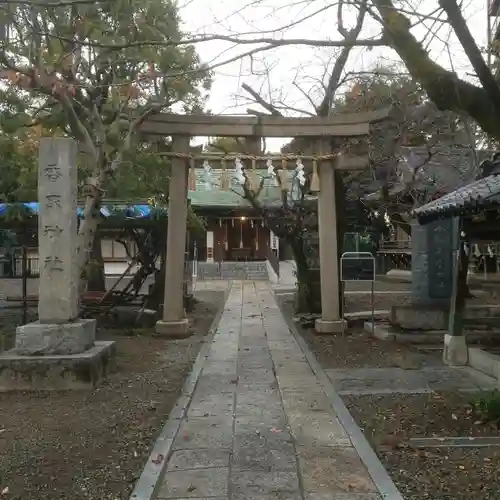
174,322
331,320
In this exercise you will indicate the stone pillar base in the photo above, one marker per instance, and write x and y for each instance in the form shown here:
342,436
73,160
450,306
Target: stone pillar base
455,352
325,326
47,339
56,372
173,329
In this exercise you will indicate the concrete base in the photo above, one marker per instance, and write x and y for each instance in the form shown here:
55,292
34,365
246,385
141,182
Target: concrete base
325,327
399,275
423,317
417,317
56,373
455,352
173,329
44,339
381,332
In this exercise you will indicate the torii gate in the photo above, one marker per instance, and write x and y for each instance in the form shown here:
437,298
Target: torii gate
182,128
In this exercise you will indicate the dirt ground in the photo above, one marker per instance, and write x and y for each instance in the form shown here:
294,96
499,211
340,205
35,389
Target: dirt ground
93,445
356,349
389,421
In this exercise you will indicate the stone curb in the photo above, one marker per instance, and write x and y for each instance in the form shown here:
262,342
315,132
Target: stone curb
484,362
377,471
367,315
380,332
152,474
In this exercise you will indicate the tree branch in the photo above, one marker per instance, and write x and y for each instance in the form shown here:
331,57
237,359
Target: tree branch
350,36
259,100
77,127
470,47
273,42
444,87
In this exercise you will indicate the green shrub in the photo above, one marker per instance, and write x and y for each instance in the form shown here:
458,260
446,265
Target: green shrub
487,406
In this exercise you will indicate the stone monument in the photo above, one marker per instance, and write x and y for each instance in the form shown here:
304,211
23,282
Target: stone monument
59,350
433,247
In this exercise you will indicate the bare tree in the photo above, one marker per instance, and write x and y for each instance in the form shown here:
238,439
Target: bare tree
396,23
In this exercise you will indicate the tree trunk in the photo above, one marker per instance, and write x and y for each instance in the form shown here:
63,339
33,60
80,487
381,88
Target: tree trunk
308,296
90,222
95,275
156,294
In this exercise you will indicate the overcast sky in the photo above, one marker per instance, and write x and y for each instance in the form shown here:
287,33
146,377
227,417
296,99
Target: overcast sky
290,74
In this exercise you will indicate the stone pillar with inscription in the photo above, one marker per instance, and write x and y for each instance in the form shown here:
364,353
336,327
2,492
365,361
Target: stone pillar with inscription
58,330
57,352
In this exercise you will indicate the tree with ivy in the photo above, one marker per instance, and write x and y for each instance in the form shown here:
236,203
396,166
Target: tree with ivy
18,181
95,72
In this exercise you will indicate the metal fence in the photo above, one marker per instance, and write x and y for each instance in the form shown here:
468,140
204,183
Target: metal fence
395,245
13,267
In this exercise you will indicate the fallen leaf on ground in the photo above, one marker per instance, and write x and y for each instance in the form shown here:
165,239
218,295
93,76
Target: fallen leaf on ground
392,441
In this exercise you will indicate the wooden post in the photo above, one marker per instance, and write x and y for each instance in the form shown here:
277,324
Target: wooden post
174,323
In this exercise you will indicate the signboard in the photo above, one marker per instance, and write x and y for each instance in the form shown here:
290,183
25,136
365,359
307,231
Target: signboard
274,241
357,266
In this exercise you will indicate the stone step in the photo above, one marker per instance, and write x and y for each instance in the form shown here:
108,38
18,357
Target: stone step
232,271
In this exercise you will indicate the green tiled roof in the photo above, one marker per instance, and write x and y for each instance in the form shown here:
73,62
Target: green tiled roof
209,194
479,195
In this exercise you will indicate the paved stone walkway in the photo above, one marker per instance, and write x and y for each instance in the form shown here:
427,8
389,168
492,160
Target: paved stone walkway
259,425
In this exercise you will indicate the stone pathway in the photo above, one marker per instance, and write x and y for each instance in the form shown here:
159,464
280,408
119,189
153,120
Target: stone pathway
259,425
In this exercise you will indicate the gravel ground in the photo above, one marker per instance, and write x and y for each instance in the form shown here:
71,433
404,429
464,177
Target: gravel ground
356,349
93,445
389,421
431,473
363,302
382,283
